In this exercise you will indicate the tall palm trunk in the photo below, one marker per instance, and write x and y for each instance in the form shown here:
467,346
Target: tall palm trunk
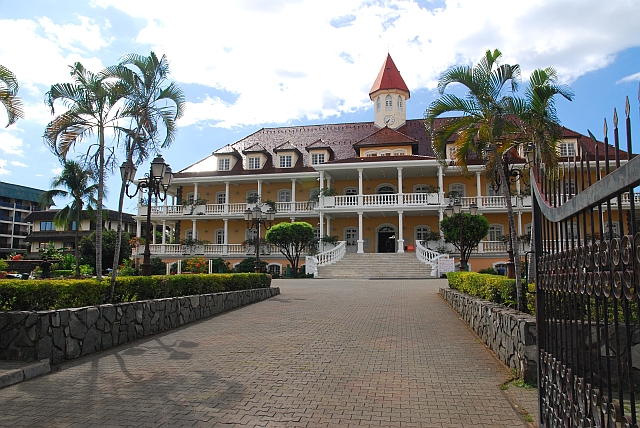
76,237
513,244
116,257
99,223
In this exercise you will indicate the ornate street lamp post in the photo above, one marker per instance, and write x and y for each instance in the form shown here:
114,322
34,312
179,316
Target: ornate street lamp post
156,183
254,218
456,209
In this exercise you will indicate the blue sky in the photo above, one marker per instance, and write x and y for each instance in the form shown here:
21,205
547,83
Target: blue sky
248,64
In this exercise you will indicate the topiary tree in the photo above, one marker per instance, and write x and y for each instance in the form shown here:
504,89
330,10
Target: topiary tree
474,228
291,239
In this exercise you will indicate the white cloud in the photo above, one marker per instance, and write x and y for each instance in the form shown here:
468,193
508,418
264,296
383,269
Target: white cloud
10,144
3,168
56,170
20,164
70,36
631,78
289,60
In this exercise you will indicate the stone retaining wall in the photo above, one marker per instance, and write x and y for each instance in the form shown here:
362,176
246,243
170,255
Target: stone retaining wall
510,334
65,334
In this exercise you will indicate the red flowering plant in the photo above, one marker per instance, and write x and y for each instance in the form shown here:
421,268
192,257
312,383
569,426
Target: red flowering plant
196,265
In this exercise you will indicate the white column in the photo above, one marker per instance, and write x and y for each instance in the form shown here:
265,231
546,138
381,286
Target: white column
193,230
519,223
328,181
226,197
440,218
293,193
138,229
360,197
328,225
518,192
400,233
360,240
164,232
479,187
321,198
441,185
321,231
260,188
400,201
153,233
195,191
225,249
166,202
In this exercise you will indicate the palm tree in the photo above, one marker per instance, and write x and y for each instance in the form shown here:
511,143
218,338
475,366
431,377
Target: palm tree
91,102
486,126
8,91
153,107
81,187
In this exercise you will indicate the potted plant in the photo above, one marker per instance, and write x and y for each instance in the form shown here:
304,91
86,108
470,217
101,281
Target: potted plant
328,196
193,246
433,194
197,207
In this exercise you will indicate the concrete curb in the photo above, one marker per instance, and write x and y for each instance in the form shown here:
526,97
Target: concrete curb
25,373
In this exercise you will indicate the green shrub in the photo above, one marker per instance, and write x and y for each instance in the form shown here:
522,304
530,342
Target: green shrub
494,288
490,271
19,295
3,265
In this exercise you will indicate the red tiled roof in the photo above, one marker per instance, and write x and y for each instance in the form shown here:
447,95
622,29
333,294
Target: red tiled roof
389,78
386,137
340,140
383,159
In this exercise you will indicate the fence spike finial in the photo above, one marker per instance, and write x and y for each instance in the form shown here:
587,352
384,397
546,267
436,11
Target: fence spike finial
627,107
615,118
606,128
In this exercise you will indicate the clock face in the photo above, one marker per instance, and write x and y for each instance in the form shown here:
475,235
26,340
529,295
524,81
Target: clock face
388,120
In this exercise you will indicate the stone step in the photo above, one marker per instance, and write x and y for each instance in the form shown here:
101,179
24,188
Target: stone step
376,265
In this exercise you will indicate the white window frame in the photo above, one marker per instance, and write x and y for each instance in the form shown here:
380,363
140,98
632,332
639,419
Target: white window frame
615,226
350,230
271,267
284,195
567,149
251,193
189,234
383,185
219,236
378,103
350,191
496,230
399,103
221,198
224,164
388,103
420,231
190,197
399,152
253,162
317,158
458,187
286,161
370,153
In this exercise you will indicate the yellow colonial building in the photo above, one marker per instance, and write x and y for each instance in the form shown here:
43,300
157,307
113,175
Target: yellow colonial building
375,185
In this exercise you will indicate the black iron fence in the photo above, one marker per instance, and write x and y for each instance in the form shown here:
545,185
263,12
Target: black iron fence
587,247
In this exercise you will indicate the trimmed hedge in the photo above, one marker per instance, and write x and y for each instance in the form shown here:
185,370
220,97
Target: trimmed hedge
26,295
494,288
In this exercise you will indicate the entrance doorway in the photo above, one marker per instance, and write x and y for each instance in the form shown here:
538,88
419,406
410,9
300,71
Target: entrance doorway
387,239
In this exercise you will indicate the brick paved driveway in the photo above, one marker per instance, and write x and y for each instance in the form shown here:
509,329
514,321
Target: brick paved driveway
323,353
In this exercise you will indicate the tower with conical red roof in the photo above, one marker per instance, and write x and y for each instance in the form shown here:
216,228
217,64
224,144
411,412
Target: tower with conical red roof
389,94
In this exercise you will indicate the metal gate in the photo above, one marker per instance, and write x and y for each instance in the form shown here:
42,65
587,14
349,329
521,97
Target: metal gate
587,249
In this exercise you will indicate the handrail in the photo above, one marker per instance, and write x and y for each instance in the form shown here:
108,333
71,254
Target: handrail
325,258
429,257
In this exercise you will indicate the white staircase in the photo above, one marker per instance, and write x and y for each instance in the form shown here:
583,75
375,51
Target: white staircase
376,265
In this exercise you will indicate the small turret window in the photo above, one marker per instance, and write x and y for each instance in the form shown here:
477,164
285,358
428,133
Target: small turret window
388,103
378,103
400,103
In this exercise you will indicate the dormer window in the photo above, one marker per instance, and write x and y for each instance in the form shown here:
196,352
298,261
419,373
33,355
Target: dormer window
399,103
388,103
286,161
317,158
223,165
378,103
254,162
567,149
